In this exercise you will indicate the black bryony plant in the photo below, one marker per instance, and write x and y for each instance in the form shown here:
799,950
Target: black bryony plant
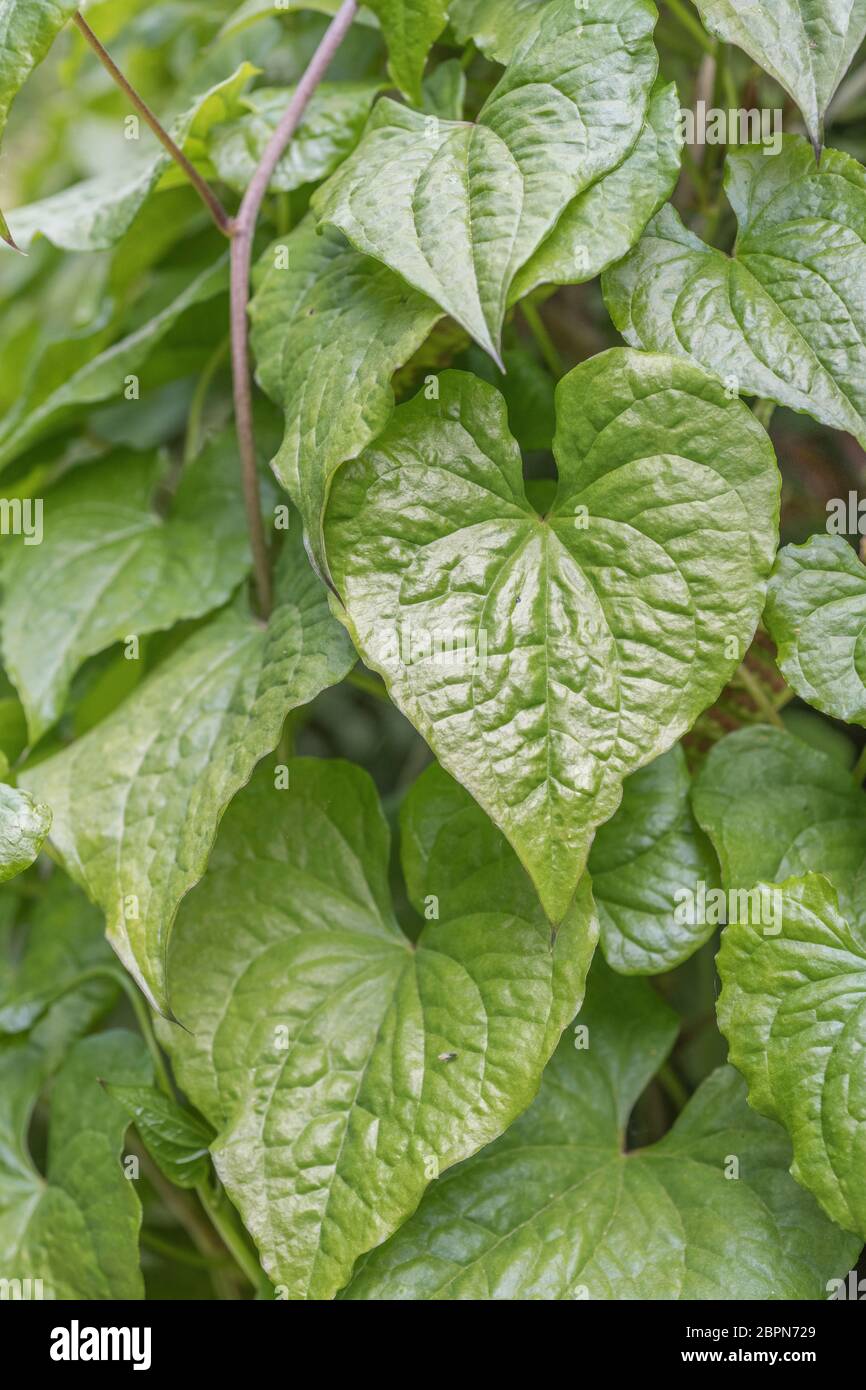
431,825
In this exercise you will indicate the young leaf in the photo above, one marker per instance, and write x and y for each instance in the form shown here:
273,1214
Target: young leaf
343,1066
24,824
557,1209
641,862
93,215
109,566
27,30
39,413
76,1228
177,1141
603,223
329,130
807,45
775,808
545,659
137,801
816,610
330,327
457,208
410,28
784,317
793,1008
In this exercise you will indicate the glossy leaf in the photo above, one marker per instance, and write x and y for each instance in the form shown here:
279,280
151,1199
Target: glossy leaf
458,208
816,612
177,1141
793,1008
807,45
642,861
784,318
497,27
557,1209
110,566
410,28
137,801
775,808
342,1065
545,659
24,824
76,1229
330,327
27,30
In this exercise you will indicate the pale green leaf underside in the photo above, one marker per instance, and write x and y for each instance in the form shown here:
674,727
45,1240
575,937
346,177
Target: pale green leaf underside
649,852
793,1008
24,824
138,800
109,566
556,1210
806,45
329,130
329,330
457,208
77,1228
27,30
775,808
784,318
545,659
93,215
816,615
341,1065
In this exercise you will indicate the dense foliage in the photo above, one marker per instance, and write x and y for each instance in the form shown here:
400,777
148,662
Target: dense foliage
432,831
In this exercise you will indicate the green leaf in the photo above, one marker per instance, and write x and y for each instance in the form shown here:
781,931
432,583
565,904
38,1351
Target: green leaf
410,28
110,566
783,318
330,327
329,130
62,983
497,27
177,1141
93,215
444,91
793,1008
816,613
558,1209
76,1228
641,861
40,411
27,30
137,801
253,10
603,223
545,659
342,1065
24,824
457,208
774,808
806,45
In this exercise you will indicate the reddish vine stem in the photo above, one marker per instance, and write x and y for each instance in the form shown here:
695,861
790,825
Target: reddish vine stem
243,231
205,192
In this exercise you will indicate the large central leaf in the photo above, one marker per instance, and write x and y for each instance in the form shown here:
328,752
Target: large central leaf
556,1209
785,316
137,801
545,659
456,208
343,1066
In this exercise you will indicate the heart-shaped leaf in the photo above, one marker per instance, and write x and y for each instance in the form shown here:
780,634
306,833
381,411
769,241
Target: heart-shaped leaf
807,45
456,208
785,316
137,801
775,808
545,659
816,614
556,1209
343,1066
793,1008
